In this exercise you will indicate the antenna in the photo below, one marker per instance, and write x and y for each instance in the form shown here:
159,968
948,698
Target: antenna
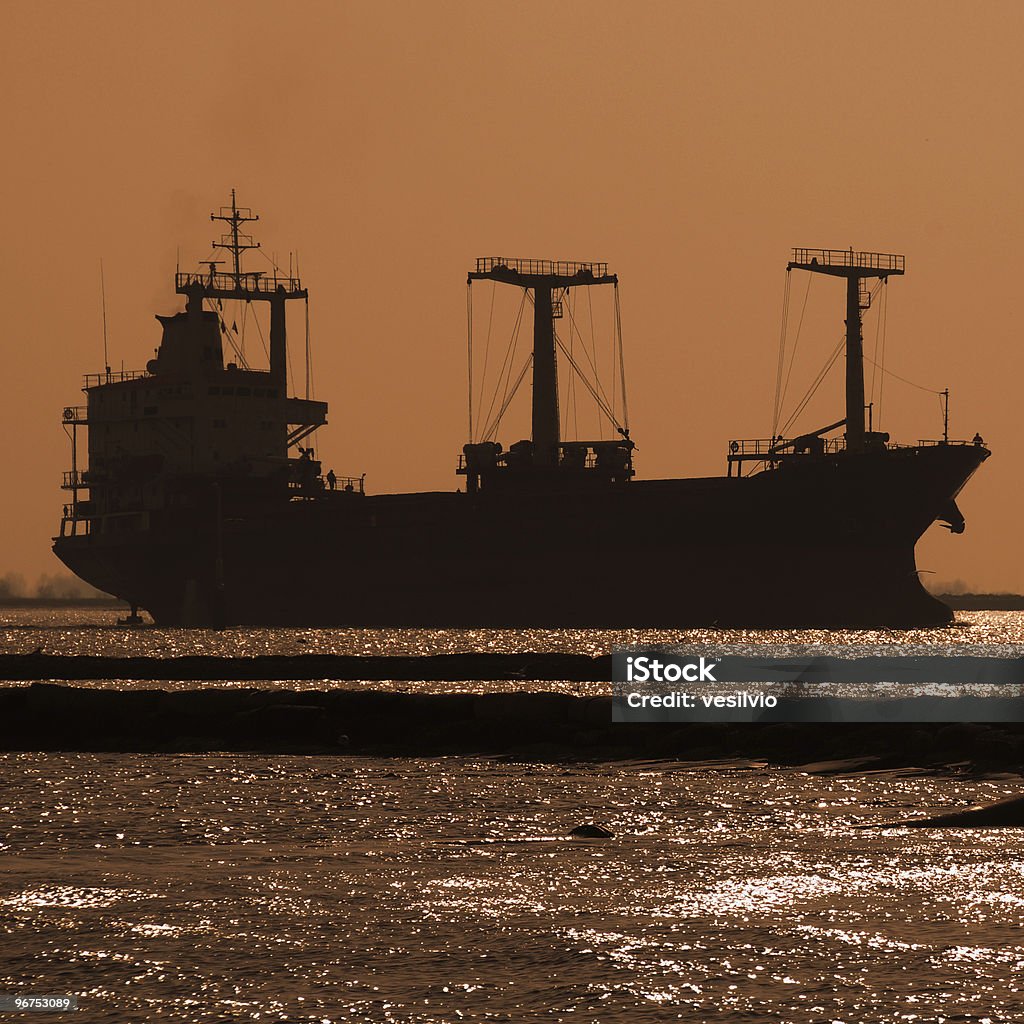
103,303
234,242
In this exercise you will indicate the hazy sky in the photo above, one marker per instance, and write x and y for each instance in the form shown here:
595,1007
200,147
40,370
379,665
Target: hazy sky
689,145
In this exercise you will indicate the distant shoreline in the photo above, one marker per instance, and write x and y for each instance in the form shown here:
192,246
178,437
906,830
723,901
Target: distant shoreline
983,602
958,602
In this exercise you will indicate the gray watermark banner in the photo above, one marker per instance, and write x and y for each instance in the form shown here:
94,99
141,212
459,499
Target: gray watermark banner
814,683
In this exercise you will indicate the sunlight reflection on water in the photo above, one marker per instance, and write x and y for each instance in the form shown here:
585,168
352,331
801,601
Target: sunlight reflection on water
234,887
214,887
95,632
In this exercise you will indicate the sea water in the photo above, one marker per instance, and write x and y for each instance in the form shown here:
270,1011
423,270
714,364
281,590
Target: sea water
234,887
94,631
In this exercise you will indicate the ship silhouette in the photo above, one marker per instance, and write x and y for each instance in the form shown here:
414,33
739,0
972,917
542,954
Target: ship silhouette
201,504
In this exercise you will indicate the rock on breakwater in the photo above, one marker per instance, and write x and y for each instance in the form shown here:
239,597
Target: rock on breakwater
527,725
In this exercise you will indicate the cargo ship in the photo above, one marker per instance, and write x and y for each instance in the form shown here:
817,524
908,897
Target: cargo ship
202,502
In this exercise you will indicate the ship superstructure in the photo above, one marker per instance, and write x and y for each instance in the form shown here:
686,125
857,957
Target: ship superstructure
545,459
193,507
160,438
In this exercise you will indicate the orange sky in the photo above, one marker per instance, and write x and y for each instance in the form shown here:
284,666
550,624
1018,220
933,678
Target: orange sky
689,145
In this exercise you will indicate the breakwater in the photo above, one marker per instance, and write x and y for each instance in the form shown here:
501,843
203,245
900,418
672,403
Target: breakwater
530,726
450,667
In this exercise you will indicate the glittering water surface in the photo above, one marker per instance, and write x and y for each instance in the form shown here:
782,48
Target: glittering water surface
236,888
95,631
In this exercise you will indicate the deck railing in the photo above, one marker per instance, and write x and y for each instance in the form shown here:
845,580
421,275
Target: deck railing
770,448
75,479
94,380
776,449
346,483
561,268
942,443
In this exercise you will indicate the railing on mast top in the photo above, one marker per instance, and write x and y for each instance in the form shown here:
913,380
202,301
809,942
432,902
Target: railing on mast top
849,258
252,282
560,268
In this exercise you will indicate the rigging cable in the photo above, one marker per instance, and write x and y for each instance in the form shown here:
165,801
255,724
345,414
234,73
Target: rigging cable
818,380
263,341
777,412
874,365
103,302
615,376
310,382
600,398
570,387
244,315
506,366
622,358
310,390
240,353
593,349
817,383
291,372
487,345
469,351
513,346
515,387
597,376
231,341
796,342
601,403
881,382
889,373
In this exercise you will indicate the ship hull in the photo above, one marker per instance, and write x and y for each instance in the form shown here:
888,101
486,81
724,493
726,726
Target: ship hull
819,542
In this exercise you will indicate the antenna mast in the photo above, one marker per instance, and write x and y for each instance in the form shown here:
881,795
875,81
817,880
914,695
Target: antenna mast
235,242
248,286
